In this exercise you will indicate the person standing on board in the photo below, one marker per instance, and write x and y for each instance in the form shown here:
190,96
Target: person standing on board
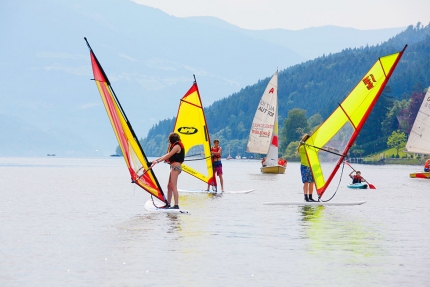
357,178
175,157
427,165
216,152
305,170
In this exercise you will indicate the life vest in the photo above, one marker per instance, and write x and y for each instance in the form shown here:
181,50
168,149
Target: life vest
282,162
427,164
215,156
356,179
177,157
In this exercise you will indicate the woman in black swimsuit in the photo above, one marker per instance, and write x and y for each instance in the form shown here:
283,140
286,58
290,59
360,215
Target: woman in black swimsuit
175,157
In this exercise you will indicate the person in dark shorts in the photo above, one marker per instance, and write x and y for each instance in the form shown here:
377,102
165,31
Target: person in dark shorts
305,170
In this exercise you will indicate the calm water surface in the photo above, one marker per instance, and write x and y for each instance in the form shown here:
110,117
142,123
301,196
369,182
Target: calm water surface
80,222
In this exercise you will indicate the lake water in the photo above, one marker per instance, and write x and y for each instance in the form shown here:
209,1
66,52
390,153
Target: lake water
80,222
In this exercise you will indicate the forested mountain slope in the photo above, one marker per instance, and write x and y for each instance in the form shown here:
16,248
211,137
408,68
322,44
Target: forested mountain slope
316,86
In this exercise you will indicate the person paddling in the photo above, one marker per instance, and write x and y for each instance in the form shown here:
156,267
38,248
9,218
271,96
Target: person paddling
357,178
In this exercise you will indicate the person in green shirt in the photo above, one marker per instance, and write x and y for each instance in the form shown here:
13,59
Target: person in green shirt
307,178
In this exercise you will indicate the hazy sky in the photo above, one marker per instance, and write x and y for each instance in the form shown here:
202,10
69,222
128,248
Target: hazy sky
300,14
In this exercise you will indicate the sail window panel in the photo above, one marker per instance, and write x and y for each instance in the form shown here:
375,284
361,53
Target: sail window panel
327,145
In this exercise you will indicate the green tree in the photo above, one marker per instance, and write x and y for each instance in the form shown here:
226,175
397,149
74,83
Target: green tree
397,140
391,121
291,152
294,126
314,122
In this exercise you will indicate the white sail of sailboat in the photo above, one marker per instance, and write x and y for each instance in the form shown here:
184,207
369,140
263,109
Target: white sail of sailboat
263,137
419,137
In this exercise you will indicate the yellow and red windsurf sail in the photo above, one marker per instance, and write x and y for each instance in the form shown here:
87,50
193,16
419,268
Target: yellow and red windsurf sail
134,156
329,144
192,128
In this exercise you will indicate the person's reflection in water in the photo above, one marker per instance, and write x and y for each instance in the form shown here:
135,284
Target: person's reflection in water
215,195
174,222
311,213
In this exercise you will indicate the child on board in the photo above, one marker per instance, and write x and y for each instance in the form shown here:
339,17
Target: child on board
216,152
356,178
175,157
305,170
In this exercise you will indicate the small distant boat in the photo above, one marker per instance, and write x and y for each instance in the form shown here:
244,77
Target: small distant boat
114,155
50,154
420,175
229,156
263,137
358,185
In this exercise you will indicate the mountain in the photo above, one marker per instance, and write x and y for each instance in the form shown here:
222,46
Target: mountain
311,43
149,56
316,86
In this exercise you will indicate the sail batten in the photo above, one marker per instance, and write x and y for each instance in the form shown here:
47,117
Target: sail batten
340,130
135,159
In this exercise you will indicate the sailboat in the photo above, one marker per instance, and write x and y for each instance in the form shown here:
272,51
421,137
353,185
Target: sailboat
419,137
134,156
229,155
328,146
263,136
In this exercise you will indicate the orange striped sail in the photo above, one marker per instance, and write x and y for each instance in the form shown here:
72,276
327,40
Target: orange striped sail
134,156
329,144
191,126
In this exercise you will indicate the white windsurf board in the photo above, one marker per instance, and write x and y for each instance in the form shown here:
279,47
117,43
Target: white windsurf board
314,203
149,206
215,192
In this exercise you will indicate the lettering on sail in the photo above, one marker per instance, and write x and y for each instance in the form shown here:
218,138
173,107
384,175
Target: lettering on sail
266,108
187,130
368,81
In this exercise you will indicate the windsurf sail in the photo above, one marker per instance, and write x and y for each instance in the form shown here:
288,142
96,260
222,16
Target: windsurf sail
261,135
134,156
327,147
419,137
192,128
